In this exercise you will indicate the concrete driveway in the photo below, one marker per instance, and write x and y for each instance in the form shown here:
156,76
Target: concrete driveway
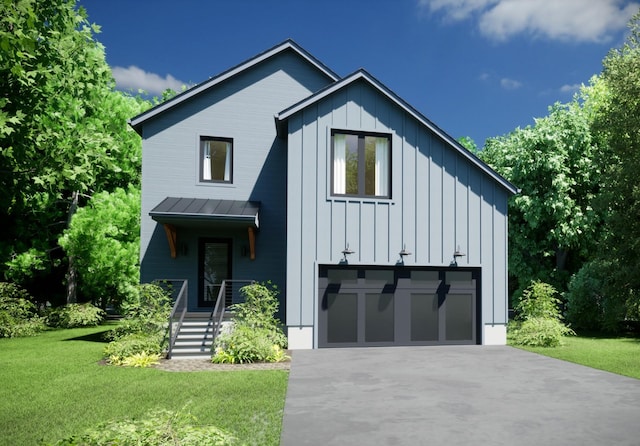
454,395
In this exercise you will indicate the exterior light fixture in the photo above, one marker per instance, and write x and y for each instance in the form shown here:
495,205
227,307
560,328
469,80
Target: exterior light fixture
404,252
457,254
345,252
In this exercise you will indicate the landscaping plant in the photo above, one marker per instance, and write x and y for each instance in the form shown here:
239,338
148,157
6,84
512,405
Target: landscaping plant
140,339
158,428
18,315
256,335
538,320
75,315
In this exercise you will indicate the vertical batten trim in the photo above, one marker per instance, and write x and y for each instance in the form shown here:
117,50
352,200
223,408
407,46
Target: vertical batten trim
301,241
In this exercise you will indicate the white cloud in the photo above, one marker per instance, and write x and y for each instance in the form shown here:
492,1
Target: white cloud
570,88
135,78
567,20
510,84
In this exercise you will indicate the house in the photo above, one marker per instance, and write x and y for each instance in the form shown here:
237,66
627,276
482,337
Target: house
377,227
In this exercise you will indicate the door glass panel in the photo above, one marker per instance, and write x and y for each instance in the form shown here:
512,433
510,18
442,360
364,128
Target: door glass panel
379,317
342,317
459,277
459,317
215,269
424,317
381,275
342,276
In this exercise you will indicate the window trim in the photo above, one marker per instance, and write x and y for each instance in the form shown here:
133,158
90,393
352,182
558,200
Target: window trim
361,166
203,138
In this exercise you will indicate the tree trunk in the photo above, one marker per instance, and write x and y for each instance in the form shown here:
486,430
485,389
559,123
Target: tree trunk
561,259
72,273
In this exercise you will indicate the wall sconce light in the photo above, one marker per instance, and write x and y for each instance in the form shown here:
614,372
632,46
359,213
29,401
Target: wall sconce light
345,252
457,254
404,252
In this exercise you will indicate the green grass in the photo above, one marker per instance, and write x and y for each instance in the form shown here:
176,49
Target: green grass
618,355
52,386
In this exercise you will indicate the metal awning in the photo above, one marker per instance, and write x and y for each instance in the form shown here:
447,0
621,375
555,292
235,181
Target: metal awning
181,211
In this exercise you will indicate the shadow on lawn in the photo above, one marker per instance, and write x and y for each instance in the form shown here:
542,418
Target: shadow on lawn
93,337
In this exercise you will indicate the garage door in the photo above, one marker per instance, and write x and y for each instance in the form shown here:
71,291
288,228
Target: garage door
383,306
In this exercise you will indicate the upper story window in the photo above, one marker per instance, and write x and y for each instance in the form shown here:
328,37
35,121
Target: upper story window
216,159
361,164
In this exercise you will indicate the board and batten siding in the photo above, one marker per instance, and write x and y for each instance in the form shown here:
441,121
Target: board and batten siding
243,108
439,201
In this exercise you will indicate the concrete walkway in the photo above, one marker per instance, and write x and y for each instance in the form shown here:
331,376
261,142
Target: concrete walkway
460,395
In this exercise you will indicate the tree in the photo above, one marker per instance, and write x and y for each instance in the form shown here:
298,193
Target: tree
618,121
104,240
552,224
63,132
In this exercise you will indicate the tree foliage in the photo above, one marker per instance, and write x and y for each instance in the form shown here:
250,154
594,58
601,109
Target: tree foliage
63,129
104,240
619,123
552,222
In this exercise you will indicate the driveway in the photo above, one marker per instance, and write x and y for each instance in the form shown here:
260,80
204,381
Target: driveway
454,395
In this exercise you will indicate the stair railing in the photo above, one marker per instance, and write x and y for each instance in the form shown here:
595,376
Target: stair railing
228,290
176,317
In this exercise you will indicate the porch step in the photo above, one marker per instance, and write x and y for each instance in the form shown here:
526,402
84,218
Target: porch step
195,338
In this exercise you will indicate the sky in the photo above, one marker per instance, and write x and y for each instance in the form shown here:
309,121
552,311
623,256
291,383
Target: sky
476,68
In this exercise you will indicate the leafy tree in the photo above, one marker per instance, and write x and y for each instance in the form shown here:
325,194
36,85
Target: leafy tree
104,240
63,132
552,223
618,121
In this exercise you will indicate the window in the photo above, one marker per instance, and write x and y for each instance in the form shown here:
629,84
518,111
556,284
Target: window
216,159
361,164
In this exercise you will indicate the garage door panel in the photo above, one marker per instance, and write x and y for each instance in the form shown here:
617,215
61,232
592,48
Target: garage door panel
424,317
342,318
379,317
459,317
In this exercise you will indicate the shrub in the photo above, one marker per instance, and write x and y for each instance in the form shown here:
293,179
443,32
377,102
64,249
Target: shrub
157,428
18,315
143,359
244,344
538,332
538,322
116,352
593,304
141,335
256,335
75,315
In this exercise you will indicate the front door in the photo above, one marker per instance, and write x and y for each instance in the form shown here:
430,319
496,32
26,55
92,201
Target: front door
214,258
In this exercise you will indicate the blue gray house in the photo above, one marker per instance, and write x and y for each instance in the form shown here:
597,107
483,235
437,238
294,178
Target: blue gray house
377,227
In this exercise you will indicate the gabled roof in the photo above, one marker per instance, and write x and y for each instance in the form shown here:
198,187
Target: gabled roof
289,44
363,75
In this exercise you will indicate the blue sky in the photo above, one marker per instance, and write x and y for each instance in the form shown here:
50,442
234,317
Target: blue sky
477,68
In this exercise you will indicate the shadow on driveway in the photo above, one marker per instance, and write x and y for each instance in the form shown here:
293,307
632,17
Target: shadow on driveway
455,395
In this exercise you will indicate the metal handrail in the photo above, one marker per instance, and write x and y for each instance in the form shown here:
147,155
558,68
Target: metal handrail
221,304
177,312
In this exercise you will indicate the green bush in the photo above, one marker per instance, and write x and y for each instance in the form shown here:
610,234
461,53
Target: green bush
75,315
593,303
142,332
538,332
244,344
159,428
116,352
539,321
256,335
18,315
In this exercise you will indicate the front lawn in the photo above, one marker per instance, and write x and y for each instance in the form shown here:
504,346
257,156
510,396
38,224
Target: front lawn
53,387
617,355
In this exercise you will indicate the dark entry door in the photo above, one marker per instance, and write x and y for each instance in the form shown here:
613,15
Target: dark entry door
367,306
214,258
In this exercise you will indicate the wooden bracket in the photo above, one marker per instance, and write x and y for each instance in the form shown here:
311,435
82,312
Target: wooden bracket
252,243
172,238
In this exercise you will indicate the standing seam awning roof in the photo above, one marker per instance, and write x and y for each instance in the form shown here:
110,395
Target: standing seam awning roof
205,209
